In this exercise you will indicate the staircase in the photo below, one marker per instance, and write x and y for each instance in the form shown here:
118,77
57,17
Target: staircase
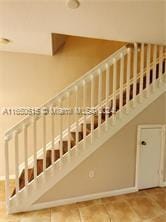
117,89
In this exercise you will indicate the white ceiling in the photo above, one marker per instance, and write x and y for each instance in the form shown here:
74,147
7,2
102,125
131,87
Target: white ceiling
29,23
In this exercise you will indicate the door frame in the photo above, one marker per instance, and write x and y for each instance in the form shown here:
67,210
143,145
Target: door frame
162,151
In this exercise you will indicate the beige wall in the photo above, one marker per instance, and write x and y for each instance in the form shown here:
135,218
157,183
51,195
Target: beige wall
30,80
136,21
165,23
113,163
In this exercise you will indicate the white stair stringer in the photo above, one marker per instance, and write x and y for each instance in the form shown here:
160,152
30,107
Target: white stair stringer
25,199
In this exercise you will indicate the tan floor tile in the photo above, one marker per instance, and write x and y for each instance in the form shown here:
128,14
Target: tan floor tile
159,196
113,198
120,211
8,220
135,194
147,204
68,213
89,203
145,207
4,216
94,213
155,190
158,219
35,216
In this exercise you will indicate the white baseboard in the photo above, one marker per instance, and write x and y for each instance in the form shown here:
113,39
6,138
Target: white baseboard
3,178
81,198
163,184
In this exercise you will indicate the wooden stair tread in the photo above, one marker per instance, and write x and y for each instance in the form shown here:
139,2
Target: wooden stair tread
65,145
80,136
87,129
39,169
39,166
22,179
49,156
88,125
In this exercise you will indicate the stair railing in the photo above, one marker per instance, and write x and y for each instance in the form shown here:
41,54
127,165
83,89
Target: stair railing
101,87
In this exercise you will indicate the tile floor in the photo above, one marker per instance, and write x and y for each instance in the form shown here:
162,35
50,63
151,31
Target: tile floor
147,206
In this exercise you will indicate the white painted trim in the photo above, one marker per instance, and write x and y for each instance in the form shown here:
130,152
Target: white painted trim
11,177
163,184
162,150
77,199
34,192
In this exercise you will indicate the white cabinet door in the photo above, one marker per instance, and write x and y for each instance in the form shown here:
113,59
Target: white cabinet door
149,158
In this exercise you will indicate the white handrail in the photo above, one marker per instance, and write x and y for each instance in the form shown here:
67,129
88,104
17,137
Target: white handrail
93,71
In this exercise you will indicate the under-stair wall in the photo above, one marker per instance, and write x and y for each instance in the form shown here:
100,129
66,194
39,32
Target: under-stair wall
113,164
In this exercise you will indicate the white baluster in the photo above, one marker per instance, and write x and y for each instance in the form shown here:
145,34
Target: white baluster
76,114
44,142
148,69
154,63
69,123
26,154
128,78
61,130
142,69
164,59
34,148
7,169
135,71
92,106
107,108
84,105
52,134
114,88
121,81
160,61
16,146
99,100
